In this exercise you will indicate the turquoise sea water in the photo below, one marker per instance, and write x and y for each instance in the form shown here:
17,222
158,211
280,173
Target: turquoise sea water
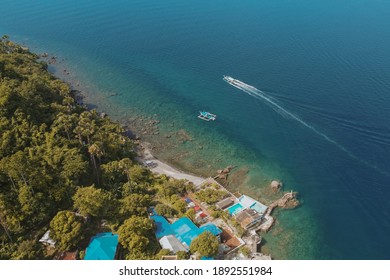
325,64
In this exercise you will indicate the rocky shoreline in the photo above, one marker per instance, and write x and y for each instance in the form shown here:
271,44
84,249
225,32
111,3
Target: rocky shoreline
149,127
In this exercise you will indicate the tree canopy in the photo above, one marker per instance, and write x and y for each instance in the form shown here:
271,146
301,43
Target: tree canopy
135,205
90,201
165,210
137,235
211,195
57,157
66,229
206,244
49,147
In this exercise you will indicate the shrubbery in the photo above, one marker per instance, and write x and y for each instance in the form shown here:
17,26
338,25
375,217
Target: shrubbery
211,195
206,244
165,210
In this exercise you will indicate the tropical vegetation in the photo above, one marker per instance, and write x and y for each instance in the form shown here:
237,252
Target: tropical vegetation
206,245
69,169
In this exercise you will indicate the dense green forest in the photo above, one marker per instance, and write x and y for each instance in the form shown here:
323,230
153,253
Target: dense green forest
68,169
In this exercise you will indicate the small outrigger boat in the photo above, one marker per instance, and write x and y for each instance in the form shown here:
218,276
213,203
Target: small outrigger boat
206,116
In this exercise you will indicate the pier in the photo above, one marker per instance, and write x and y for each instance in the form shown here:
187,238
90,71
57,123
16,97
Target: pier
281,202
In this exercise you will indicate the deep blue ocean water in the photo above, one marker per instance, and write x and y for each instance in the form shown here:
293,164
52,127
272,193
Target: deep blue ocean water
326,63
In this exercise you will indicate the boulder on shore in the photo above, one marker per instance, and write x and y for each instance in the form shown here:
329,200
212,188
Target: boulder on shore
276,185
224,173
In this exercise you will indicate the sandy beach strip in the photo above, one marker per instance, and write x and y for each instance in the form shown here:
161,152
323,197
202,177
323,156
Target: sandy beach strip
159,167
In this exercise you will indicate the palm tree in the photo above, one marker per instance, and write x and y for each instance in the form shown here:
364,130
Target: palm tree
86,127
94,150
3,224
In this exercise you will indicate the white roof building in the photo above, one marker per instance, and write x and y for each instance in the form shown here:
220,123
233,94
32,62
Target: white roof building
171,243
45,239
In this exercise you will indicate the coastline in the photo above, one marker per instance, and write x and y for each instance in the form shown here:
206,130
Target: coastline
160,167
168,74
141,128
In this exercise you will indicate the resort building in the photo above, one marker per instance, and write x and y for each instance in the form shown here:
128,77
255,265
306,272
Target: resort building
223,204
184,230
171,243
169,258
102,247
248,218
201,217
68,256
246,202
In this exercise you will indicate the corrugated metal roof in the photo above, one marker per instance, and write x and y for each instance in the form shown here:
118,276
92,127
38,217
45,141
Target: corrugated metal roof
225,203
171,243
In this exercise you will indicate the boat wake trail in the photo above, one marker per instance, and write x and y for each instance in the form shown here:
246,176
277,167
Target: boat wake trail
262,96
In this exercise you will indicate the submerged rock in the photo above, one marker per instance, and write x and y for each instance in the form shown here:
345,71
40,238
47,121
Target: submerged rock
276,185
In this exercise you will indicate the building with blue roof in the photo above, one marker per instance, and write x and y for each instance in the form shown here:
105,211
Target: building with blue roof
102,247
211,228
204,258
183,229
162,225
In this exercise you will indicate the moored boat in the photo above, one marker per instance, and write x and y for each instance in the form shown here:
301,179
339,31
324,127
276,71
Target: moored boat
206,116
